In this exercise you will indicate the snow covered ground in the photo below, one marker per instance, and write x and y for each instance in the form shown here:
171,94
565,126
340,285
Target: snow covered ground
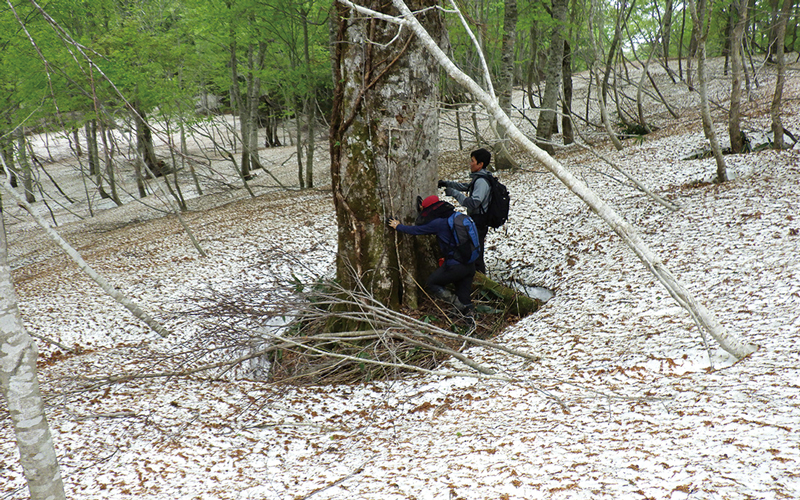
625,403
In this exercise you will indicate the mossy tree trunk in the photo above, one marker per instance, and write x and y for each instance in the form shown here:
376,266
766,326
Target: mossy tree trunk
384,149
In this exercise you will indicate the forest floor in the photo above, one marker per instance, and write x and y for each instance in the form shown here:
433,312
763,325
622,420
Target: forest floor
625,403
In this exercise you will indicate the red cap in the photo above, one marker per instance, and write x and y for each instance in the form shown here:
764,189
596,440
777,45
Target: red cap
430,200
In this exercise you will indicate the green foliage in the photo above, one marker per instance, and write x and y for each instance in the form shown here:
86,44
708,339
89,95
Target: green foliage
164,53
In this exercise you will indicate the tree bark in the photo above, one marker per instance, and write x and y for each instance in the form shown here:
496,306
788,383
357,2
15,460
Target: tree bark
7,152
622,18
706,322
25,166
384,148
512,300
739,18
772,33
700,14
505,86
90,129
544,126
601,102
666,31
20,388
566,101
503,159
108,149
144,140
309,105
775,108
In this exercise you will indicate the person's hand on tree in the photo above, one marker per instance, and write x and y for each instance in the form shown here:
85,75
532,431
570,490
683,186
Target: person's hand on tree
392,222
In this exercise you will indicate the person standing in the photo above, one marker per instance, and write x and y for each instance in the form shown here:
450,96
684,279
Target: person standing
434,220
477,199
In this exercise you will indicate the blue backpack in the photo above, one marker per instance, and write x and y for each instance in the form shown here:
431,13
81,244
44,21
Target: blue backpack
468,244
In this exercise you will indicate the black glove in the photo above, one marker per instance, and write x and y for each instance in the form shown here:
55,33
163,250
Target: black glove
450,192
441,184
389,221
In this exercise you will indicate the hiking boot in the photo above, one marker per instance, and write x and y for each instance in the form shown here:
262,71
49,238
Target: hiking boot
450,298
447,296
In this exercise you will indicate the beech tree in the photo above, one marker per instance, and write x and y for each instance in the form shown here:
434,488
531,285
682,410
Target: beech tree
384,147
700,26
547,116
775,108
739,18
594,71
706,322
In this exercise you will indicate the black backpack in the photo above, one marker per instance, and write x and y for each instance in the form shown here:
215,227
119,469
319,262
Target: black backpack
499,202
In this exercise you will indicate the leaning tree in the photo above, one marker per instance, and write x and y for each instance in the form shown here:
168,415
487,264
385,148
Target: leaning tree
383,144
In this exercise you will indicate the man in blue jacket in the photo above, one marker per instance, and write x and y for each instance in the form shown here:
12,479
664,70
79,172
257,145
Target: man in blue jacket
433,220
476,200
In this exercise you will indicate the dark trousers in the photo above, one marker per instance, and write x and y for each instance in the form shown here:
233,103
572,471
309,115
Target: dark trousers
483,230
460,275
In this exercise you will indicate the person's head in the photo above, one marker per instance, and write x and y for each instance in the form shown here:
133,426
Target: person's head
430,200
479,159
432,208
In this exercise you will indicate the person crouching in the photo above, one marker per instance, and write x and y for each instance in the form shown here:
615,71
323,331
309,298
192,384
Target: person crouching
433,219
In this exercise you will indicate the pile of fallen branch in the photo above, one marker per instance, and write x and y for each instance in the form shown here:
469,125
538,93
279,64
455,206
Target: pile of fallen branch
295,337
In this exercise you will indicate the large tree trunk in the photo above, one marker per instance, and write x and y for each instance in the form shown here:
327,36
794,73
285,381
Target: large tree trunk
702,317
544,126
739,18
700,33
20,388
384,148
775,108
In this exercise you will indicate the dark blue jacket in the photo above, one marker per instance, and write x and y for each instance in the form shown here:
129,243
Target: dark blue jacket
444,236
